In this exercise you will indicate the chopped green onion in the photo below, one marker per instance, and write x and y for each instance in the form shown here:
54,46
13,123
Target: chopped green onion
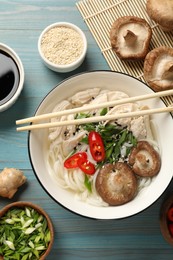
31,244
87,183
103,111
9,221
9,244
27,223
84,140
29,230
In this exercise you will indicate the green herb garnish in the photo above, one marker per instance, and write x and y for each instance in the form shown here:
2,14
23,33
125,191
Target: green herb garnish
82,115
87,183
84,140
103,111
114,137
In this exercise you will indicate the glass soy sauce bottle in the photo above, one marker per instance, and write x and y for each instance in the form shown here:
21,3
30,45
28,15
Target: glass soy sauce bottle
9,77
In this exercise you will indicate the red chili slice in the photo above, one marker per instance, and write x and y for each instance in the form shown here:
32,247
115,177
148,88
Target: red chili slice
96,146
86,166
71,162
170,214
170,227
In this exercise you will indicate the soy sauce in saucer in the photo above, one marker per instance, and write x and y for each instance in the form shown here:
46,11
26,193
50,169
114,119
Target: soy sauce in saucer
9,77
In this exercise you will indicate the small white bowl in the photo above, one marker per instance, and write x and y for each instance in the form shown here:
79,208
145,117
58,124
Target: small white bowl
56,66
10,96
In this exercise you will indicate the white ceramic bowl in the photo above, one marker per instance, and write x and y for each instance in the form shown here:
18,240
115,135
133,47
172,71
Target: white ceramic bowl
14,93
50,62
38,145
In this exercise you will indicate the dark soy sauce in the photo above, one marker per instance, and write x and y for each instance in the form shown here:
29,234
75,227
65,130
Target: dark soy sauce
9,77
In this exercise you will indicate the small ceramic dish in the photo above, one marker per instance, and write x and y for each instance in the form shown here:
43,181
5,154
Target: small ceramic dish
11,77
62,46
166,220
31,211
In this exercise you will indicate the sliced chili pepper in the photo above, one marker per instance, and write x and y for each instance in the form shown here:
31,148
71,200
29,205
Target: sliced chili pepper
170,214
86,166
170,227
71,162
96,146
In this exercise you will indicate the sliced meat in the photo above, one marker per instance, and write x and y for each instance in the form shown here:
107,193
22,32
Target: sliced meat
137,126
84,96
54,132
69,144
124,108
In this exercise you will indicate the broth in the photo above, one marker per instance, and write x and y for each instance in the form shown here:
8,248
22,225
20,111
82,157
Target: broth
9,77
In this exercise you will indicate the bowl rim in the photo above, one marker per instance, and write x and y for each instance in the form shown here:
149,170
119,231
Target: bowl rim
29,135
20,67
66,66
22,204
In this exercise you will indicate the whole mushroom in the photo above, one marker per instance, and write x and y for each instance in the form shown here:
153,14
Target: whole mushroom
130,37
158,68
161,11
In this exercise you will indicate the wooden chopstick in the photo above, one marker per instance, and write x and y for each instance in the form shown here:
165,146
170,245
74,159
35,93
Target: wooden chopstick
94,106
96,119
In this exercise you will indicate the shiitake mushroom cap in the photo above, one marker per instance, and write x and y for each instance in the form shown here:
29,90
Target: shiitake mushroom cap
130,37
158,68
145,160
116,183
161,11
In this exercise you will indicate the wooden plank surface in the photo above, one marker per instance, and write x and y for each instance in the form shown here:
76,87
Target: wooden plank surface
76,238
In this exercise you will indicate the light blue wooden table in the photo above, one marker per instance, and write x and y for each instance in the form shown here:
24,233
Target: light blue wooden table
76,237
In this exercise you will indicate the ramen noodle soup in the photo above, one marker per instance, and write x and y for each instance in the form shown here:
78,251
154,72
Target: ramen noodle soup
82,157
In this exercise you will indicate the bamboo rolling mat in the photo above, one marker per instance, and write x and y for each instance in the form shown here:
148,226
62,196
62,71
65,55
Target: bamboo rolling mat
99,16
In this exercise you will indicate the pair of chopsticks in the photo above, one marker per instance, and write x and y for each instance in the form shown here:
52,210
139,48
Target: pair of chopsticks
95,118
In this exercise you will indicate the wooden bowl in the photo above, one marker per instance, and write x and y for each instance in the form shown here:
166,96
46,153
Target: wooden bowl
23,204
164,220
